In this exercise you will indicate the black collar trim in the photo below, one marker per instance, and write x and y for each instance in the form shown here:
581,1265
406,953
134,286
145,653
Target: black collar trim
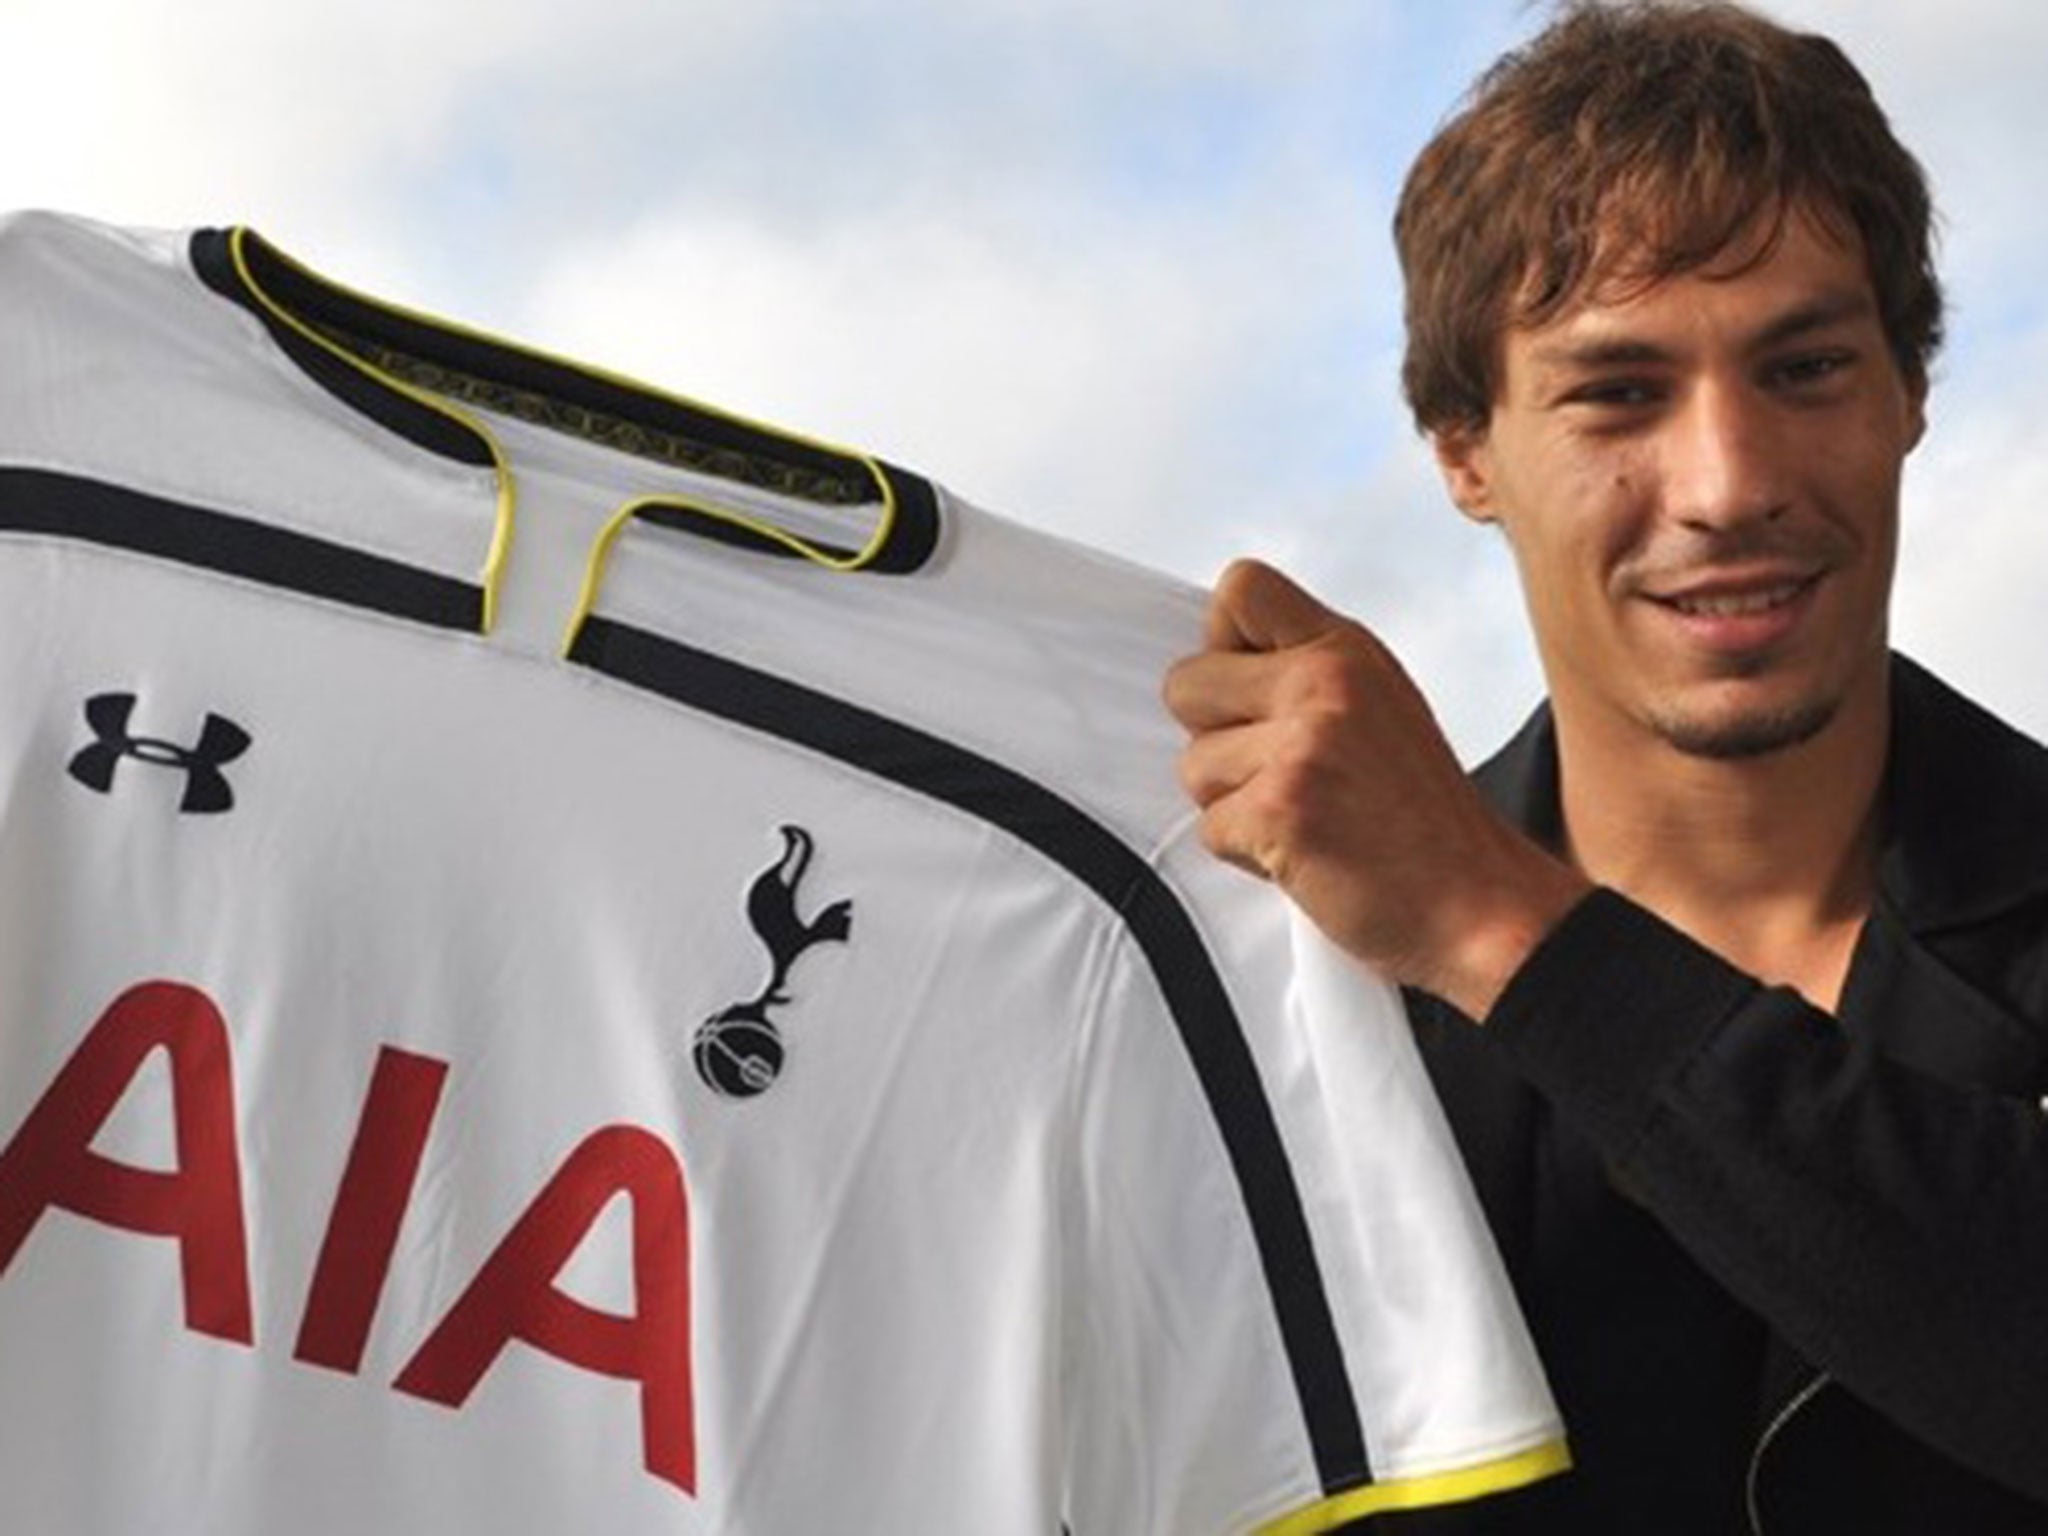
370,355
1962,841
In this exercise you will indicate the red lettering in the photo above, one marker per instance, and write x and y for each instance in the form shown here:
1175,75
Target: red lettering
513,1296
50,1161
376,1187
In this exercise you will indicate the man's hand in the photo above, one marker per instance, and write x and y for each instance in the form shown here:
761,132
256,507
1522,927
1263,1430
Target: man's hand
1318,765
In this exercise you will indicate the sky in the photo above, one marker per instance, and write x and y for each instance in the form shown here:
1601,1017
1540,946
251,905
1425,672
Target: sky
1116,268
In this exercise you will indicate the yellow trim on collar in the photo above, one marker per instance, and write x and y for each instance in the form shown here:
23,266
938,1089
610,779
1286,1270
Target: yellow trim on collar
1454,1487
501,529
507,497
601,547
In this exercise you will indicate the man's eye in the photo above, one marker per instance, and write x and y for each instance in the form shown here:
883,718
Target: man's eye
1621,394
1812,367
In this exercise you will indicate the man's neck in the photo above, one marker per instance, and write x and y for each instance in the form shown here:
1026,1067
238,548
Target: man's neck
1769,860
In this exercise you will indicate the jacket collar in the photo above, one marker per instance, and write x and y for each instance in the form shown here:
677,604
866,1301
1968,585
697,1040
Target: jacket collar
1965,803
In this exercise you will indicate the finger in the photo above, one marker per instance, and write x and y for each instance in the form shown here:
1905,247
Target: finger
1232,835
1218,689
1217,763
1255,608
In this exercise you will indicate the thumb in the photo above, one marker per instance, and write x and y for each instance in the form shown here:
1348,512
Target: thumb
1255,608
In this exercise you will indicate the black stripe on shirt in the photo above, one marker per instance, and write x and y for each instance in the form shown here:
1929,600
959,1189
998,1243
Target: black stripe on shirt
60,506
1157,921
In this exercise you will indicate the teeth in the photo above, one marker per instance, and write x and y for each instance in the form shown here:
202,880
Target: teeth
1731,604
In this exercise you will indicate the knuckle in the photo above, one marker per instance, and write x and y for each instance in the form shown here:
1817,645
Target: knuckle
1330,679
1173,689
1225,837
1189,688
1307,749
1284,802
1219,835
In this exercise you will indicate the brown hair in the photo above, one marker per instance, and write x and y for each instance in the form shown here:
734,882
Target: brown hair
1626,144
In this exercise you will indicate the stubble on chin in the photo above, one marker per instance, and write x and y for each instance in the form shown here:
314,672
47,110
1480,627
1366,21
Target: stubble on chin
1750,734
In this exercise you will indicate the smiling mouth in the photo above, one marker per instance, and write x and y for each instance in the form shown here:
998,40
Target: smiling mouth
1731,605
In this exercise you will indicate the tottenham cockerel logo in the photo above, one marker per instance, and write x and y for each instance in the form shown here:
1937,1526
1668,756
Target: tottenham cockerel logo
207,790
738,1049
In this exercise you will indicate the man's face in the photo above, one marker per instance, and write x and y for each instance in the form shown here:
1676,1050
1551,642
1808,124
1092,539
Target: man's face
1700,485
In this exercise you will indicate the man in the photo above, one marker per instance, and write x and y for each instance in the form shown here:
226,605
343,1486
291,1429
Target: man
1732,970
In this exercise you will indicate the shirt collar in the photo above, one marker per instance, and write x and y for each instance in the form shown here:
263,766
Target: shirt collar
1965,802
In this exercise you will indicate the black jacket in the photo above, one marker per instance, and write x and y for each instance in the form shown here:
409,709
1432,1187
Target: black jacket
1700,1184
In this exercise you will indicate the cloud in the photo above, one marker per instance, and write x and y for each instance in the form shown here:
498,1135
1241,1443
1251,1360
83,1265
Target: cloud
1962,87
1116,377
1976,557
150,103
1120,269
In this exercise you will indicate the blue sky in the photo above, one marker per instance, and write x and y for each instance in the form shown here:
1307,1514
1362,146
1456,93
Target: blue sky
1116,267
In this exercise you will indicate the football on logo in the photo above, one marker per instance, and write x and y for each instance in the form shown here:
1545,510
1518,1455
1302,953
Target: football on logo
738,1057
737,1049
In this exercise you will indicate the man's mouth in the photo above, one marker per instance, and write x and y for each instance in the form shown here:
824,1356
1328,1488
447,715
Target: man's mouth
1727,605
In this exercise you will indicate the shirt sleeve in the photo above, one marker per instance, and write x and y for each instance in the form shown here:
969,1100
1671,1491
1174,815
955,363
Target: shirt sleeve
1289,1314
1892,1226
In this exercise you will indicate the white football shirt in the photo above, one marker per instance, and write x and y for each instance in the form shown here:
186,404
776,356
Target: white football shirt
569,962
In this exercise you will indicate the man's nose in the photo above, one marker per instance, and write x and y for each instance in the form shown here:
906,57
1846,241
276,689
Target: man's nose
1726,464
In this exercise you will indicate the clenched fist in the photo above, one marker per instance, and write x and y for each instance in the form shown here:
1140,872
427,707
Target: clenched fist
1318,765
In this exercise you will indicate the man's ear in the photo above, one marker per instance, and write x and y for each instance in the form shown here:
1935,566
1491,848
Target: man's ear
1916,404
1463,456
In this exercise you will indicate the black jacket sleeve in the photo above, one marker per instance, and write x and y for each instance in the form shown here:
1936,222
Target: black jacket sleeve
1891,1225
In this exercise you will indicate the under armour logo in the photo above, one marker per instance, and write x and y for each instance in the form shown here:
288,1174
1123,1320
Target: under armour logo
220,742
738,1050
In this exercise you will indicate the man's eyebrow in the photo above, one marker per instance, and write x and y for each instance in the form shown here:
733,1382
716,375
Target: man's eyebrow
1816,314
1619,353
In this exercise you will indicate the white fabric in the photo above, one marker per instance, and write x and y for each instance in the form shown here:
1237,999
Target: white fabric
976,1261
